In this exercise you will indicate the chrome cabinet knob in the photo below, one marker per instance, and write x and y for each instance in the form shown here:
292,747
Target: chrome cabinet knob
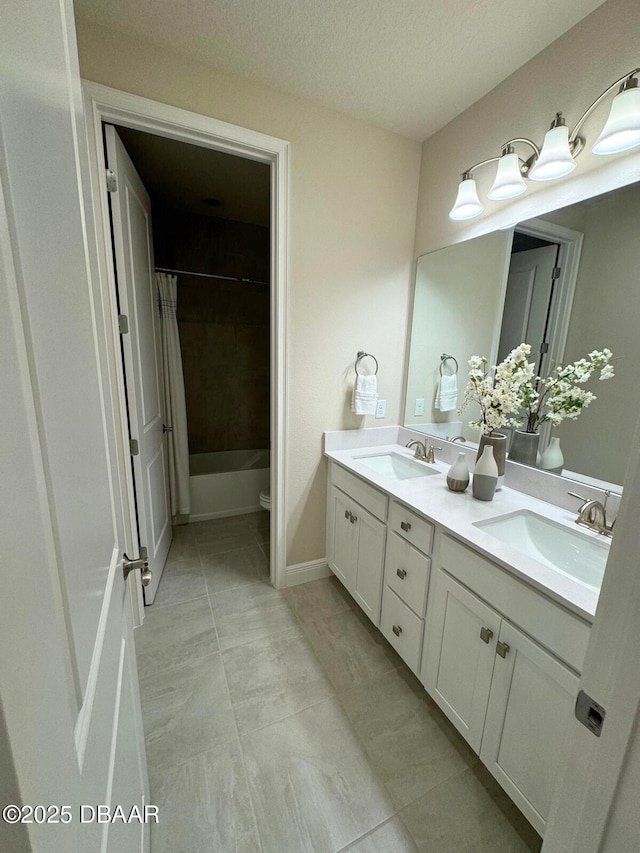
397,630
402,573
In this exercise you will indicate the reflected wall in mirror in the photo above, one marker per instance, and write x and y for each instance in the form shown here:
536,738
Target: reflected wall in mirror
568,283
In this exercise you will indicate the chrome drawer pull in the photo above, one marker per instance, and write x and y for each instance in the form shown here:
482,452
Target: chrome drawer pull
397,630
503,649
486,634
347,514
353,519
406,526
401,573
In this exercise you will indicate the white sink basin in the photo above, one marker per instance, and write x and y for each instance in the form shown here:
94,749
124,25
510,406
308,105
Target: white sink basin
396,467
570,552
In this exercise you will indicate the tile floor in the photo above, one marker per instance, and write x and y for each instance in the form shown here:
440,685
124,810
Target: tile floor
283,722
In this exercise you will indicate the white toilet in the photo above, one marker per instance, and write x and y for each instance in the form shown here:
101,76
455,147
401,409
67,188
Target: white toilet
265,499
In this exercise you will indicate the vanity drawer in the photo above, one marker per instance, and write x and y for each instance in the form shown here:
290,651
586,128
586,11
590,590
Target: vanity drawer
364,494
402,628
407,572
411,527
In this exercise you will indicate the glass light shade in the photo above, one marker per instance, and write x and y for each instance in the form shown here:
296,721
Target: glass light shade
508,182
622,130
555,159
467,202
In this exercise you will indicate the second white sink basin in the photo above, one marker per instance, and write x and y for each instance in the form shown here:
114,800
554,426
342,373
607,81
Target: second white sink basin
571,552
396,467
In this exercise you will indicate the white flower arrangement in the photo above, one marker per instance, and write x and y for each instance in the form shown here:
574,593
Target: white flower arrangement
510,394
497,390
558,397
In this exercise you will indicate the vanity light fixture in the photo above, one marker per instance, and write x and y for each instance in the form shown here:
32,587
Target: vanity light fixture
559,150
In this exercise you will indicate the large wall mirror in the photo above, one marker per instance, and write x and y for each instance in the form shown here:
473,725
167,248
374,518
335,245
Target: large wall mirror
567,282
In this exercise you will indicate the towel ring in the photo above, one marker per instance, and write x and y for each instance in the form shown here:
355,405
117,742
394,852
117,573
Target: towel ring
444,358
361,355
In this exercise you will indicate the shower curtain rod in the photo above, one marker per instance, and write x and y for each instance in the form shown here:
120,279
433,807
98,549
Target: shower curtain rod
212,275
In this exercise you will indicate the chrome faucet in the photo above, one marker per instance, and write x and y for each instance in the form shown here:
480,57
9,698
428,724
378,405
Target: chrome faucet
593,514
421,448
459,438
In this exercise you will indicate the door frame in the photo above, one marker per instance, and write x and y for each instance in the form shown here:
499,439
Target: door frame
104,104
570,251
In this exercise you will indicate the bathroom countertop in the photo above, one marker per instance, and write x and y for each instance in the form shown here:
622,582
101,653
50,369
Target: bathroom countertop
456,513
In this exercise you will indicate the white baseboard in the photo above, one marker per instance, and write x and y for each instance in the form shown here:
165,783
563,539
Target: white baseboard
314,570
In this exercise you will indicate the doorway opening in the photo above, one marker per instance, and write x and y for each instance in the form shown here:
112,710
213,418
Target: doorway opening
226,253
539,294
202,218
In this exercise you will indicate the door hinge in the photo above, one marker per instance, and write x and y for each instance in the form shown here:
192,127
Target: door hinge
112,181
133,446
589,713
556,272
123,324
544,347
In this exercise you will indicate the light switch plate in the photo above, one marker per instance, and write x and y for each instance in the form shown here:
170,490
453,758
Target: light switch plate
419,408
381,408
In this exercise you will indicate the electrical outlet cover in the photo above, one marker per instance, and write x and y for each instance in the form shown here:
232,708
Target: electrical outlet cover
419,408
381,408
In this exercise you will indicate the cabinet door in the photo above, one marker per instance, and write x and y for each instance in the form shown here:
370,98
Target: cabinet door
530,707
369,568
459,654
343,538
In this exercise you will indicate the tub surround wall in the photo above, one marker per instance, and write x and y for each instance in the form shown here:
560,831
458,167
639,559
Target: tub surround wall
224,326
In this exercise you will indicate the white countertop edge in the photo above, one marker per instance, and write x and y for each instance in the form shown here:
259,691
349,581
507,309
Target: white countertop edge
457,513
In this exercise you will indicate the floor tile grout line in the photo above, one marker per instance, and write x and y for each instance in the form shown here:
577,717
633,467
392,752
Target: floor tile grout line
172,603
288,717
369,832
239,740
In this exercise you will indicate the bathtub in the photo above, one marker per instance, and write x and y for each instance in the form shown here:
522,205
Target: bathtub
227,483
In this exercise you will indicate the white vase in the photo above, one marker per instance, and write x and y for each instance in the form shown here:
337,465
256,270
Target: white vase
485,476
458,474
552,458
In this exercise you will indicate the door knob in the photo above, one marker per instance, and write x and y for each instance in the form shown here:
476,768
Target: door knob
142,564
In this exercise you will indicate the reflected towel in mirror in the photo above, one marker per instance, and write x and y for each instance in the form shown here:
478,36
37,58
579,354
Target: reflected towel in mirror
447,393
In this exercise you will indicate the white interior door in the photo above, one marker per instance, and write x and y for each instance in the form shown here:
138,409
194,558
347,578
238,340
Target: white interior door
526,304
71,727
138,298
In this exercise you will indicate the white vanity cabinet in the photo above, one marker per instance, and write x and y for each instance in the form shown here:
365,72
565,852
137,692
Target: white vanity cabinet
407,570
356,537
505,674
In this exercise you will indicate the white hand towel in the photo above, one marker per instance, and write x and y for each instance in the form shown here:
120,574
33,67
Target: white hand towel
447,395
365,395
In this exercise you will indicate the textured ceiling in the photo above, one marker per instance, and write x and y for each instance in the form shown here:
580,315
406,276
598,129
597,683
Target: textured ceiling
407,65
180,176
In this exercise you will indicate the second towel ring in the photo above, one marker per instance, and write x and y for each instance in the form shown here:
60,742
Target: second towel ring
361,355
444,358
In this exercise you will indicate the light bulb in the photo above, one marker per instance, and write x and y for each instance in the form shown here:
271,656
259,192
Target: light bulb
555,160
467,204
508,182
622,128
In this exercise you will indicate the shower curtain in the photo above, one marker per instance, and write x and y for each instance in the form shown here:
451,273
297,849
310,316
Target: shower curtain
176,409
